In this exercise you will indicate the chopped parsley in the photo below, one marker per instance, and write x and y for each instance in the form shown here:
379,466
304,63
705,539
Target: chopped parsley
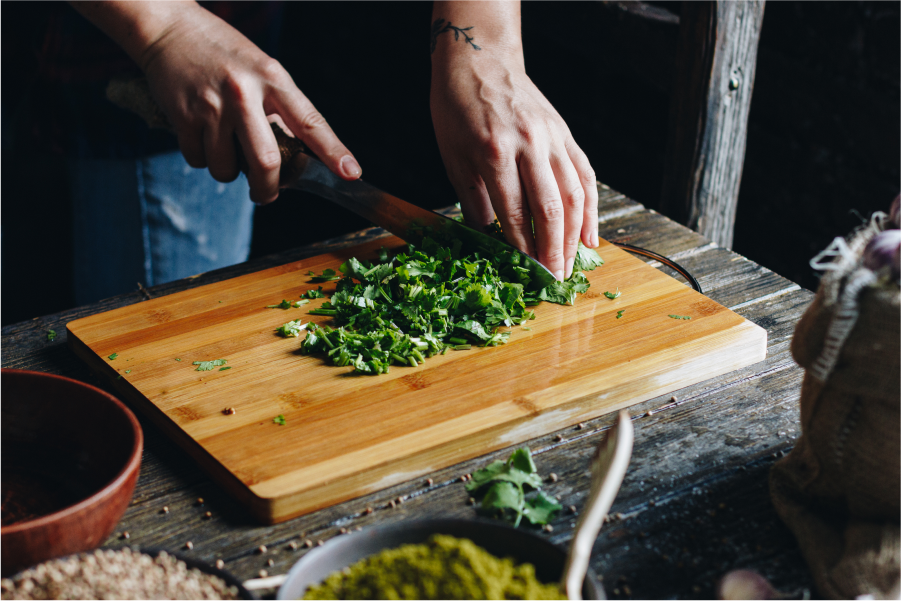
113,356
128,371
680,316
224,368
280,420
178,358
620,313
209,365
285,304
51,335
504,484
427,300
314,293
292,328
613,295
328,275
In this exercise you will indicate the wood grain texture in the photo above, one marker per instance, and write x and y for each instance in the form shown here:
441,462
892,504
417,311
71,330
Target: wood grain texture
348,435
716,59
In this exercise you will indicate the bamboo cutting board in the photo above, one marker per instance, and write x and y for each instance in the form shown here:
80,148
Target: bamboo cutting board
347,435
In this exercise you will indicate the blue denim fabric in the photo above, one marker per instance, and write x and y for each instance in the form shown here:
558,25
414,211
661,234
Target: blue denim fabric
152,220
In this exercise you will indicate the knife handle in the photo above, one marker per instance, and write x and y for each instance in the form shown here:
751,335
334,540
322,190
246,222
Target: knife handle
133,94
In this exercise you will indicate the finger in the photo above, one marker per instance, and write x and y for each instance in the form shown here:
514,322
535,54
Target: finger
261,153
573,197
590,186
505,190
219,146
546,206
190,142
309,125
473,196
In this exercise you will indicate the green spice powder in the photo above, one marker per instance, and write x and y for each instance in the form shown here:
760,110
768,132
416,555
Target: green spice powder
443,568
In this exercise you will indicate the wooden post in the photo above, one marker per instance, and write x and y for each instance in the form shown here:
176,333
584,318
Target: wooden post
715,62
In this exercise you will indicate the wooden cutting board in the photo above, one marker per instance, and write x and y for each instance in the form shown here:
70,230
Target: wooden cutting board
345,434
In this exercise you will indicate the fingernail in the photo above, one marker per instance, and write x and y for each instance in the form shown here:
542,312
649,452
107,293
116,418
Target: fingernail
569,266
594,240
350,167
559,275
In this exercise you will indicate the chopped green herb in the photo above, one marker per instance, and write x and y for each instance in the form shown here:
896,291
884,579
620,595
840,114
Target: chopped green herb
313,293
680,316
424,301
224,368
301,303
527,329
113,356
285,304
280,420
209,365
292,328
51,335
586,259
505,485
620,313
220,301
328,275
128,371
178,359
613,295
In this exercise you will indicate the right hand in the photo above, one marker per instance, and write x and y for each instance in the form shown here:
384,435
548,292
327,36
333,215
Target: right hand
214,84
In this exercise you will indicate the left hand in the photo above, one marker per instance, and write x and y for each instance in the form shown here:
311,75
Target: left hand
508,152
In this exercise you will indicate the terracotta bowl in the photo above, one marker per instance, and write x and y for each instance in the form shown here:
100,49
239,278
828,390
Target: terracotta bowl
70,459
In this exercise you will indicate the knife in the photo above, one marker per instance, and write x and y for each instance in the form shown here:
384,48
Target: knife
300,171
403,219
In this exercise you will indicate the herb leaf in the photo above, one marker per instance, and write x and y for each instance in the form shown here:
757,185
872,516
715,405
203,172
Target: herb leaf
620,313
51,335
292,328
680,316
587,259
285,304
505,495
313,293
279,419
209,365
613,295
507,481
541,508
113,356
328,275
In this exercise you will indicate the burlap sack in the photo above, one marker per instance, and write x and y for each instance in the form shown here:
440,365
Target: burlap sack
839,490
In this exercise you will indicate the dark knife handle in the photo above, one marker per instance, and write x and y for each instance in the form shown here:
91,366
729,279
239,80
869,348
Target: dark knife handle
133,94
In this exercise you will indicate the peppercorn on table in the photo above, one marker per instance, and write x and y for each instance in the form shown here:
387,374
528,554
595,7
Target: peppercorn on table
694,503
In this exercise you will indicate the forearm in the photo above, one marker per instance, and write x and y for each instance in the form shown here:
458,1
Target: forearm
135,26
475,31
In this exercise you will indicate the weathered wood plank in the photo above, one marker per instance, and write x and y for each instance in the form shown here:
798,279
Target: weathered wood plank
715,63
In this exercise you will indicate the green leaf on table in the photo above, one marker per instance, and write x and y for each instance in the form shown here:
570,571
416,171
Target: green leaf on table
51,335
680,317
328,275
541,508
279,419
522,459
113,356
502,496
313,293
209,365
224,368
292,328
613,295
620,313
285,304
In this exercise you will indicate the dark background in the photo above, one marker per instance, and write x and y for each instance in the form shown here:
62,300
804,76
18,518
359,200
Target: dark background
823,136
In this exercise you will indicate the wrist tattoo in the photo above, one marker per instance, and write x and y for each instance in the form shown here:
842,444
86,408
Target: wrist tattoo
441,26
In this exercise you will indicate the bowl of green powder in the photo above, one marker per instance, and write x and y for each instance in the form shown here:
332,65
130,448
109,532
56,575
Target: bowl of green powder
434,559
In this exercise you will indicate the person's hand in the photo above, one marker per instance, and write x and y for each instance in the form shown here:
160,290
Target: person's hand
508,152
214,85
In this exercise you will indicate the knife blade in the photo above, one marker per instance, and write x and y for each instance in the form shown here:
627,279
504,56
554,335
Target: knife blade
403,219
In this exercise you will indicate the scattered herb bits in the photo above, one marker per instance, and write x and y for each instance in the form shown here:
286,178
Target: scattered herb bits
680,316
51,335
314,293
279,419
620,313
285,304
128,371
328,275
220,369
505,484
209,365
113,356
292,328
613,295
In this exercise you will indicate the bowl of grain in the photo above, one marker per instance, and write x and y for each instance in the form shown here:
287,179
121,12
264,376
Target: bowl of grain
70,459
434,559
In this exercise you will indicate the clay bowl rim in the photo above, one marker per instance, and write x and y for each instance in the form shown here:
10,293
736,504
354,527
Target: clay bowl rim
133,463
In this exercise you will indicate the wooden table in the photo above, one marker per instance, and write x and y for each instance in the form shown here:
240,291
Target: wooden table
694,503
